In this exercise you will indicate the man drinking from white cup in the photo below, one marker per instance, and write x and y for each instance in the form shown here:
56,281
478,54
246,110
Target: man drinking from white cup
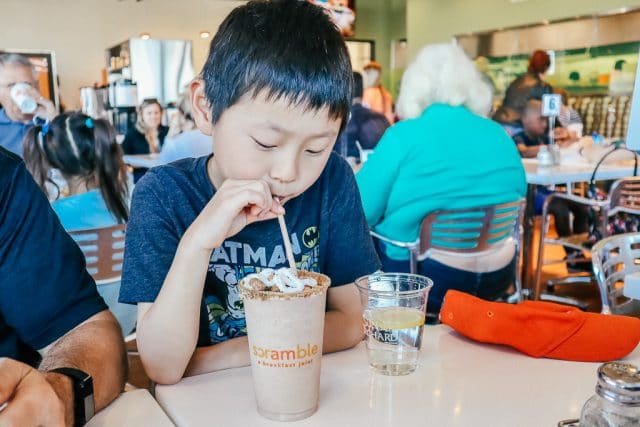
20,100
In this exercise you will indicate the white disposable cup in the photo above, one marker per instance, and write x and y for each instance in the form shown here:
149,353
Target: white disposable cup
576,128
285,334
20,95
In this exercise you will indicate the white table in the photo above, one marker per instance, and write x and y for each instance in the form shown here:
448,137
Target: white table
569,173
458,383
132,409
143,160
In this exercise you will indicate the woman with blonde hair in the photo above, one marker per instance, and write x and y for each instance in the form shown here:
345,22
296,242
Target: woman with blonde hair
149,133
445,154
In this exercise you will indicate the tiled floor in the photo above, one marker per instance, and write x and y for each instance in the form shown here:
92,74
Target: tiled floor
587,293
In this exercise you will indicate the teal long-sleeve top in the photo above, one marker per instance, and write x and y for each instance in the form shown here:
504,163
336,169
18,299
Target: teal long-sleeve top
448,158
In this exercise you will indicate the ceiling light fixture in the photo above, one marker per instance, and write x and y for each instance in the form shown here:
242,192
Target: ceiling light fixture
145,36
205,34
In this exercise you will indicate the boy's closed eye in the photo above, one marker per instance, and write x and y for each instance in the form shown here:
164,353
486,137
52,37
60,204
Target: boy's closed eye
315,152
264,145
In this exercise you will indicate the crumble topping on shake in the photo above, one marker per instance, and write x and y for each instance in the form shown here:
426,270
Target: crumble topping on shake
283,280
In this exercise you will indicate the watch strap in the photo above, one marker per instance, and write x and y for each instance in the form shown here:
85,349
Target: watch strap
83,403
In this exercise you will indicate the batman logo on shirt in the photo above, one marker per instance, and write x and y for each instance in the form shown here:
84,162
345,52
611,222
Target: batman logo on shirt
310,237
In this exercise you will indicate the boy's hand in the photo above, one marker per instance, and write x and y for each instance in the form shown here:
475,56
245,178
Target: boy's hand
235,205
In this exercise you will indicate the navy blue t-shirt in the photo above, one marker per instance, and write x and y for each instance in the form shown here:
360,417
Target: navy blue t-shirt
522,138
327,225
45,290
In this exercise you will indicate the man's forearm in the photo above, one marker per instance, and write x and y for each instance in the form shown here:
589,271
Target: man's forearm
95,347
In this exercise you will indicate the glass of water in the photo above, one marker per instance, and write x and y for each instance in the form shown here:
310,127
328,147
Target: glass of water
394,307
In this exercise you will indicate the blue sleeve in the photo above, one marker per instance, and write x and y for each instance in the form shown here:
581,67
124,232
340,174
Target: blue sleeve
349,250
45,289
152,241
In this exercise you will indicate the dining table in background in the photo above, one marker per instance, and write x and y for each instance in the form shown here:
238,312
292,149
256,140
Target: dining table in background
568,174
458,382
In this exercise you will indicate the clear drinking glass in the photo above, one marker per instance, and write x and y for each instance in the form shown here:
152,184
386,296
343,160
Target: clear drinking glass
394,307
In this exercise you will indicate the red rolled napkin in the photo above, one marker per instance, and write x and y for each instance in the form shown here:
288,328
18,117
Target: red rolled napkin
542,329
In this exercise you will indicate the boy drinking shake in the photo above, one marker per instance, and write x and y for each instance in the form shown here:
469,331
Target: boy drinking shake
274,95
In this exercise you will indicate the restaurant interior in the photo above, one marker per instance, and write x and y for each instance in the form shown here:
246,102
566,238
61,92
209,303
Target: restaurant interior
325,212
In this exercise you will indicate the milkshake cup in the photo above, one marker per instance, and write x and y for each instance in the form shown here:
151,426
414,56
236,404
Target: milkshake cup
285,331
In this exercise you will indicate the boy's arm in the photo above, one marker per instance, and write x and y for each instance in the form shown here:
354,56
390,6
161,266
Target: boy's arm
528,152
167,330
343,321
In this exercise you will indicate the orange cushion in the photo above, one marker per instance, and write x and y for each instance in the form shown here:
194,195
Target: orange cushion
542,329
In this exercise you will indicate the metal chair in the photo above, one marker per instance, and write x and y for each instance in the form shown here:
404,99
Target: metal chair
624,196
103,249
467,233
614,258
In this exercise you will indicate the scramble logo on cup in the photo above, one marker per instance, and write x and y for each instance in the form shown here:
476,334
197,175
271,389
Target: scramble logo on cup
290,358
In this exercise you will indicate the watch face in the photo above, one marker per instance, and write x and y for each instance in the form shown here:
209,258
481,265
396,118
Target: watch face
89,407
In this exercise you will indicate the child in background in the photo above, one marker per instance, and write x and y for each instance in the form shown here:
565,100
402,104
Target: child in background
96,195
529,140
86,154
274,105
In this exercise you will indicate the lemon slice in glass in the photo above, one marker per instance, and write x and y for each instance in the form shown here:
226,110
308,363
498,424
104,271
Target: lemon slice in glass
397,318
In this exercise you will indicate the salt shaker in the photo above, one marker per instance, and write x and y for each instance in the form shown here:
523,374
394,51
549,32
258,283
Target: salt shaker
617,399
545,157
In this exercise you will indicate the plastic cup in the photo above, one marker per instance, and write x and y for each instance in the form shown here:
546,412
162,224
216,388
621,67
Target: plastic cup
394,306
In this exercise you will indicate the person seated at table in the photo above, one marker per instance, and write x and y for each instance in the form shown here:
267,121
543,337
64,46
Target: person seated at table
274,105
522,89
365,126
184,139
444,154
569,118
149,133
17,69
375,96
85,152
534,135
49,304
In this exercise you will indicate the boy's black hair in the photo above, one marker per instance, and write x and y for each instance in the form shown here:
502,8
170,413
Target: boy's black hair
290,48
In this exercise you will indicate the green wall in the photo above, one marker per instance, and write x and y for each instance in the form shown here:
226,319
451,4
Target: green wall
430,21
382,21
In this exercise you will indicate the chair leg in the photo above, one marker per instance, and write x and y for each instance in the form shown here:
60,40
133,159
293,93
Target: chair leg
413,261
544,229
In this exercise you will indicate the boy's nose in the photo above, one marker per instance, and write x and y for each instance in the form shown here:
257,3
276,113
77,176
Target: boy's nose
285,170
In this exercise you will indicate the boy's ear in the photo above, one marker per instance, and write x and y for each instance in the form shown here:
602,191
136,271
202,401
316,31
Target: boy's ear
200,108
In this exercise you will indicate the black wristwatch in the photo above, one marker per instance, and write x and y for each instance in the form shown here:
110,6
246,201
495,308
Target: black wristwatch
83,404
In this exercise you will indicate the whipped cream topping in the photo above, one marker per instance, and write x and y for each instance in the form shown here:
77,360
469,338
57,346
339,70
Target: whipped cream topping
284,279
